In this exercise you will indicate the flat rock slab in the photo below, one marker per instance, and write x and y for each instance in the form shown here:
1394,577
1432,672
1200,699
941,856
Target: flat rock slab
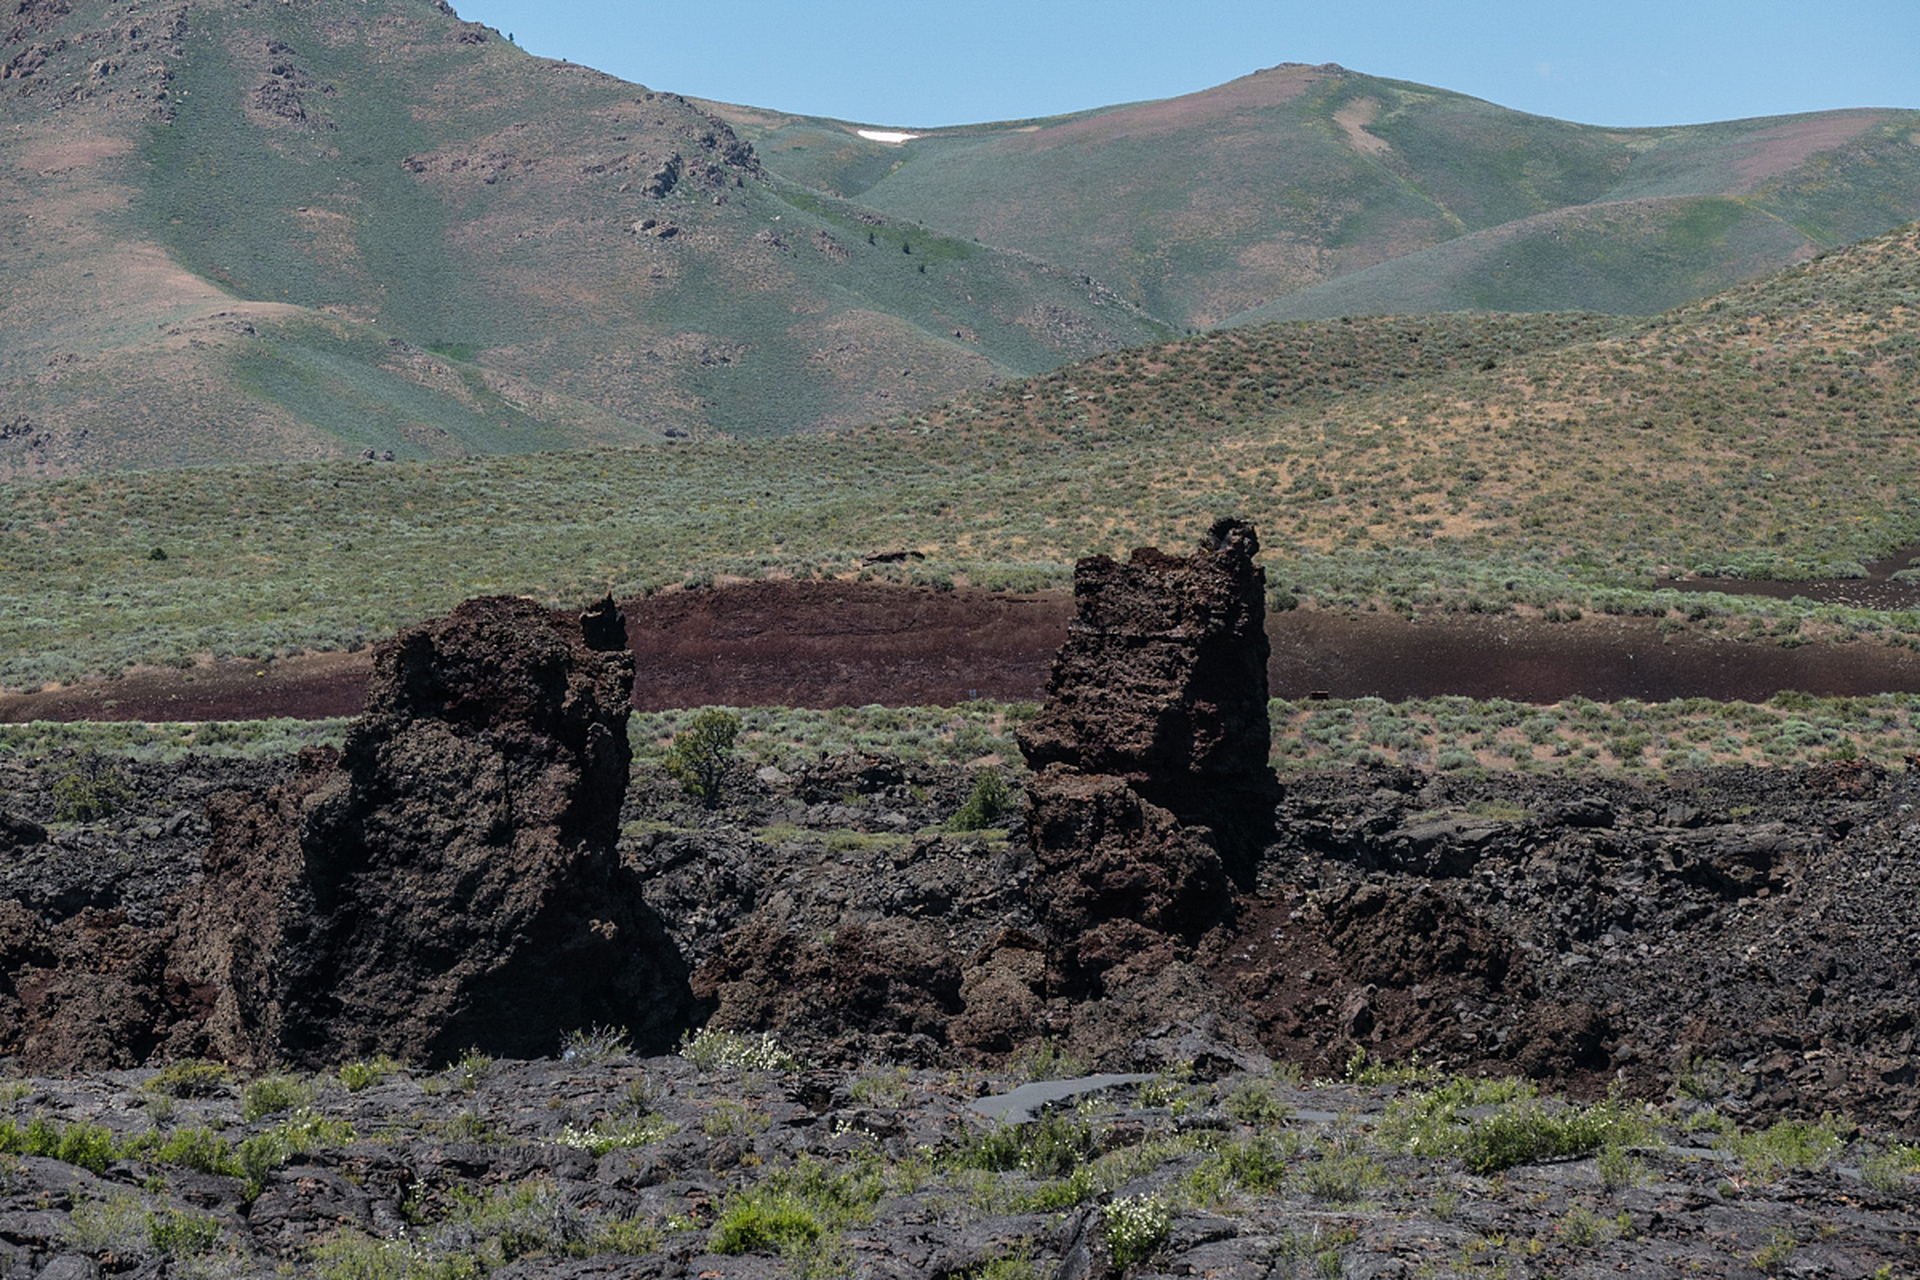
1025,1103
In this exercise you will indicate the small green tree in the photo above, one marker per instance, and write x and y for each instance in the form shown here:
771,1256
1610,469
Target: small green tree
701,752
988,803
92,792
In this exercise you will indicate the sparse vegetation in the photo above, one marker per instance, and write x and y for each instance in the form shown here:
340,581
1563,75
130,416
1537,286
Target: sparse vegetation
595,1045
1789,1145
190,1078
364,1074
879,1087
610,1135
1235,1151
94,790
1581,736
1047,1060
1893,1168
89,1146
183,1235
1136,1227
986,804
1528,487
712,1050
1454,1119
269,1095
471,1071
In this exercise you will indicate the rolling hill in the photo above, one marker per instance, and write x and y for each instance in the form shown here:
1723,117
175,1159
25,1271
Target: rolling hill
244,232
1306,191
241,232
1550,463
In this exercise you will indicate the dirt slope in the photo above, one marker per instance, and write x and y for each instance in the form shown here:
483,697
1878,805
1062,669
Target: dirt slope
828,644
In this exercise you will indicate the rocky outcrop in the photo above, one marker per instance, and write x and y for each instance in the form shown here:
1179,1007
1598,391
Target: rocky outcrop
1163,683
1118,881
1153,792
889,987
19,833
450,879
665,176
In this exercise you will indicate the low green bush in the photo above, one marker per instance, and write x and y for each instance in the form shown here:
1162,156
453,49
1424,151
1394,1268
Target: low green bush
1052,1146
700,754
90,1146
183,1235
93,792
355,1076
190,1078
269,1095
1135,1228
989,801
712,1050
595,1045
196,1148
759,1223
1520,1129
1789,1145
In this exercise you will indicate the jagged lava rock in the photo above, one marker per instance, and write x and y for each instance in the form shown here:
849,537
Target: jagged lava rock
1163,682
451,878
1117,879
1153,791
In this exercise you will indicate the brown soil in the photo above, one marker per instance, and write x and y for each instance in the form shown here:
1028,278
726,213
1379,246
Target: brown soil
826,644
1528,660
314,686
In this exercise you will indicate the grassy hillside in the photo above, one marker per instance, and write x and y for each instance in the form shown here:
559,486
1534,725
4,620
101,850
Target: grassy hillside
250,232
242,233
1634,257
1451,462
1315,191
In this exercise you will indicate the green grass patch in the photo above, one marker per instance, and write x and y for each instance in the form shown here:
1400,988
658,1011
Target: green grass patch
1490,1125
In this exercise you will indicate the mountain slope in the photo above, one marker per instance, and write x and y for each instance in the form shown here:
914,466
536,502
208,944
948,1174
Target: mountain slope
296,230
308,229
1205,207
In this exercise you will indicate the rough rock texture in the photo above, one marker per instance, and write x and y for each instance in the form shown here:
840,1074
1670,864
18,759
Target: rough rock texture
1163,682
89,990
1118,881
452,878
1584,930
895,981
19,833
85,907
471,1172
1154,794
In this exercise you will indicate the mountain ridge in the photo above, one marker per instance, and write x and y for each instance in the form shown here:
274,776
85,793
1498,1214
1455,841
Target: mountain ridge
389,229
318,229
1294,177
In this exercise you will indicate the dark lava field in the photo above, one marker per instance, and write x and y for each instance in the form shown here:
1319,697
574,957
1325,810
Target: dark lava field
473,994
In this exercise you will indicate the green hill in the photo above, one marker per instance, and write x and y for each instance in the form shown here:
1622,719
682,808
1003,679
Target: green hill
252,232
1485,462
244,232
1313,191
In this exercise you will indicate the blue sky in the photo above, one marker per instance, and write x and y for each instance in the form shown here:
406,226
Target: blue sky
915,63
